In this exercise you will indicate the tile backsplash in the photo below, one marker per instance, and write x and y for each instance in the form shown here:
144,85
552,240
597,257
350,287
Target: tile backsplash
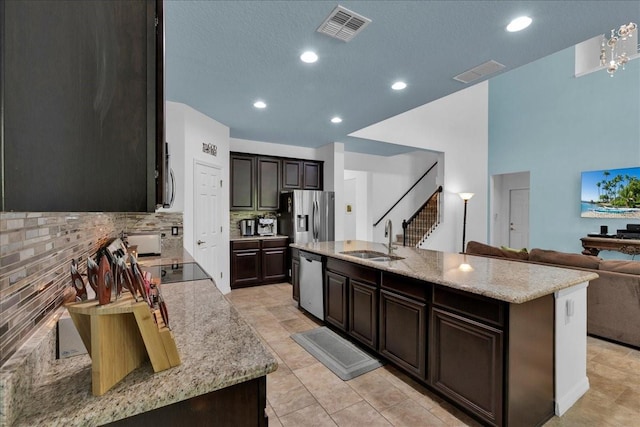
236,216
36,249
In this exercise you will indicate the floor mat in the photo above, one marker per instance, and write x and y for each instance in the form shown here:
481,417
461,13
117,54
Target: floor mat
339,355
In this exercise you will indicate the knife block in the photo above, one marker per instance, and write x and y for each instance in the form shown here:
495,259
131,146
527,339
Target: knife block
119,337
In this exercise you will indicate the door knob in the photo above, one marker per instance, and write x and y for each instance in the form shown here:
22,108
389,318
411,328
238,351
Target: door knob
200,242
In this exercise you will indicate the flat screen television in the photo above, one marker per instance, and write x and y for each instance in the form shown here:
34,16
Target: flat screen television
611,193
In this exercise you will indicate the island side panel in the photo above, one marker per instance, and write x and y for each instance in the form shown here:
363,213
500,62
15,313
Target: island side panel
530,359
571,346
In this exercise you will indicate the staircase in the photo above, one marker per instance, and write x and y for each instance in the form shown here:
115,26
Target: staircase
422,223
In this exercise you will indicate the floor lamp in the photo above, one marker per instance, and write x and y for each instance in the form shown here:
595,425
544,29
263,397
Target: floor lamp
465,197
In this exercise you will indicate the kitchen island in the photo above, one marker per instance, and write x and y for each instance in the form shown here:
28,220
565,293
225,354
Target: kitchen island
222,377
503,340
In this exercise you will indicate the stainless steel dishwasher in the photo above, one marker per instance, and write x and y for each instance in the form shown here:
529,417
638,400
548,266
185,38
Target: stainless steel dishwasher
311,289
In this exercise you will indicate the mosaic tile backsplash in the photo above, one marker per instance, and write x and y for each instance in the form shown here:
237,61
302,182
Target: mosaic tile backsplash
36,249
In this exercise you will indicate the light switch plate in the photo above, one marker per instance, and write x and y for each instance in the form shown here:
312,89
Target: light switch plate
174,231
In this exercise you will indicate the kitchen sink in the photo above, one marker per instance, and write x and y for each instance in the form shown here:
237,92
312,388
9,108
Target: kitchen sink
372,255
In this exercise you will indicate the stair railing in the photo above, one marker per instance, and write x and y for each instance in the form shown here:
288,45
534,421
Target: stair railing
406,192
423,221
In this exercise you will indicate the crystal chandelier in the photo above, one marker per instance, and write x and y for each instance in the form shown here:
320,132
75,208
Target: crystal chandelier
616,47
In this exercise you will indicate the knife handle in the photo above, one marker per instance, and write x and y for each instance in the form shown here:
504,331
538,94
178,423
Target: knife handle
78,283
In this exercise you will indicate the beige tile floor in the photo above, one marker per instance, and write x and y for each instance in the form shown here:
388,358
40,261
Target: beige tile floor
302,392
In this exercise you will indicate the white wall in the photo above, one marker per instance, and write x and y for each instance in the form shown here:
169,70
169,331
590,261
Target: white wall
333,157
271,149
192,128
456,126
362,215
174,128
388,178
349,216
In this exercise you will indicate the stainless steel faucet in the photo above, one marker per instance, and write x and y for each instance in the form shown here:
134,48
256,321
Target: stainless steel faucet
388,232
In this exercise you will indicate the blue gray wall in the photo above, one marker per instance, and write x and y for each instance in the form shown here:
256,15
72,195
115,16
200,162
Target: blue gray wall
544,120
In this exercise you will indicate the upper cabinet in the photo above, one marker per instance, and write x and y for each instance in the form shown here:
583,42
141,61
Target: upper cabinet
82,105
256,181
301,175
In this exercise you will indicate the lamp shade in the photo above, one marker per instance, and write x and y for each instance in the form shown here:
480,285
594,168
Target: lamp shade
465,196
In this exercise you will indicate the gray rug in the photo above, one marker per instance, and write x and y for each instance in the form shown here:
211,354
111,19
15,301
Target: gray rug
336,353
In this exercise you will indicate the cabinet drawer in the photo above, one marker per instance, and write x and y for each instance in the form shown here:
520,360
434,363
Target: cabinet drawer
406,286
481,308
275,243
354,271
245,244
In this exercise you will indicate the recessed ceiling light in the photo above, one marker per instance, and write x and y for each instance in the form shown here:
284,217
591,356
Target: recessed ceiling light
309,57
336,119
518,24
398,85
260,104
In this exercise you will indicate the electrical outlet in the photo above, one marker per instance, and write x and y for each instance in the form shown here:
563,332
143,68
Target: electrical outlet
174,231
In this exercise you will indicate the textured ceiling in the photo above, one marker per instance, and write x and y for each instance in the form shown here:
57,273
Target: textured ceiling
223,55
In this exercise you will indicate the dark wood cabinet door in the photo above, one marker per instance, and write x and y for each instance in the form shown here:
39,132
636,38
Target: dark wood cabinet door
363,313
274,264
473,382
403,332
79,106
335,300
268,183
245,268
242,182
312,172
291,174
295,278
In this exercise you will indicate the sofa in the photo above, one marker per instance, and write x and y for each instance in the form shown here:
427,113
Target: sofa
613,299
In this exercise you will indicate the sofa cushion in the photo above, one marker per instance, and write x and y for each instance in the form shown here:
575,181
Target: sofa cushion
562,258
477,248
620,266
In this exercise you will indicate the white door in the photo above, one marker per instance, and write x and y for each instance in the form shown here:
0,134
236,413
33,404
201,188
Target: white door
519,218
207,217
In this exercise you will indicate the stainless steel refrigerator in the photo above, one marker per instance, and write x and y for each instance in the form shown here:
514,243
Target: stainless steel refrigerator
307,216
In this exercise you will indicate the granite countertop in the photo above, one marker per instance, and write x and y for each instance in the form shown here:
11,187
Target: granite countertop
238,237
509,281
217,349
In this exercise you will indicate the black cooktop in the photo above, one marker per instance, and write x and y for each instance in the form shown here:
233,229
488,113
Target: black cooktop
178,272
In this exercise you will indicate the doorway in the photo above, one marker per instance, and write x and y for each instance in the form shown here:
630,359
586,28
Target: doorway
207,232
510,210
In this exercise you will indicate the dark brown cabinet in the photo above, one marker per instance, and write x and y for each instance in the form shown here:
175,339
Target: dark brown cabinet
81,105
243,173
292,175
335,299
363,313
258,262
256,181
274,260
268,194
295,273
301,174
245,263
403,333
312,176
473,382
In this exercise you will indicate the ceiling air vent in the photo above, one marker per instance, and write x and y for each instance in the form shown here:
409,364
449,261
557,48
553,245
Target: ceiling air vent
343,24
480,71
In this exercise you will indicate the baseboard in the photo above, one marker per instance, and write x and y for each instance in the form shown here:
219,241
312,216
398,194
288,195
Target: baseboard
563,403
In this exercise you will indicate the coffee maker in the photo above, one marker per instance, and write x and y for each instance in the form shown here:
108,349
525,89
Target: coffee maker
267,226
247,227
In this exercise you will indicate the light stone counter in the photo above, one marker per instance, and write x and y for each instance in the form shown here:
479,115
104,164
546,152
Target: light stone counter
237,237
509,281
217,349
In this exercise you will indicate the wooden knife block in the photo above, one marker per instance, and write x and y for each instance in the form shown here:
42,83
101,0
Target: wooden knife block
119,336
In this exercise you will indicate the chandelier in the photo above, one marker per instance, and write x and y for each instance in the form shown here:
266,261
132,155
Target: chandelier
613,51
